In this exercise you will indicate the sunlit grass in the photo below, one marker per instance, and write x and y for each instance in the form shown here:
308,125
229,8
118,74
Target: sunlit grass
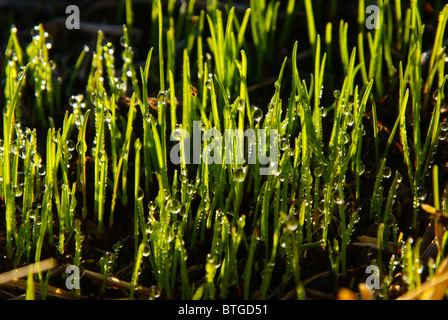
223,212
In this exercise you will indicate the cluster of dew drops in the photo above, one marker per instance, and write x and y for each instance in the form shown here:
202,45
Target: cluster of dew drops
18,147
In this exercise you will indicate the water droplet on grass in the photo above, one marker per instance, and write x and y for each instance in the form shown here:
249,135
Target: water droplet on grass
31,214
208,84
421,193
18,191
70,145
155,292
146,250
174,205
281,177
321,205
337,197
435,95
387,172
444,126
284,144
20,73
361,168
48,40
239,174
257,114
213,261
292,223
13,147
123,42
22,152
20,176
161,97
35,33
345,138
350,119
140,194
193,91
318,171
346,109
108,116
149,228
240,104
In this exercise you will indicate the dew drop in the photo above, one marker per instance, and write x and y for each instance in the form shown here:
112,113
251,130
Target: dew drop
361,168
257,114
208,84
435,95
240,104
20,178
48,40
22,152
203,191
20,73
345,138
336,94
318,171
140,194
239,174
387,172
70,145
18,191
176,134
72,101
123,41
284,144
35,33
155,292
174,206
350,119
421,193
292,223
337,197
444,126
346,109
193,91
161,97
108,116
146,250
281,177
31,214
